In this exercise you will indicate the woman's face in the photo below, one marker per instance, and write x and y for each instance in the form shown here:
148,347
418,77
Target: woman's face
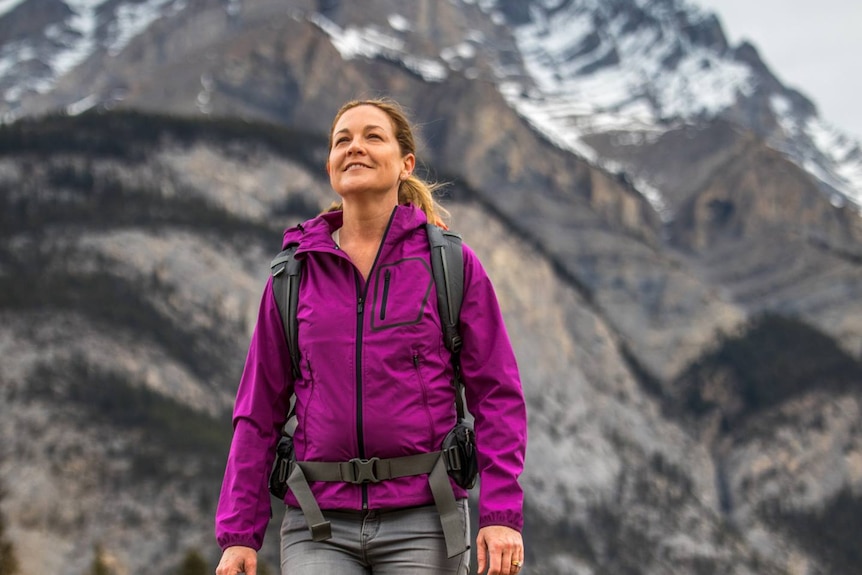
365,157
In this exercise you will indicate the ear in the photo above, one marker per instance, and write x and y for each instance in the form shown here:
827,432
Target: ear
328,168
408,163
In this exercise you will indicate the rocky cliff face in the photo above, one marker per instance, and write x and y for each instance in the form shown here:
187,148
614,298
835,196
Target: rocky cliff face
671,432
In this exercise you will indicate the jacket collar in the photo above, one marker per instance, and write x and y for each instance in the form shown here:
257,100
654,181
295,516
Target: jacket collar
316,234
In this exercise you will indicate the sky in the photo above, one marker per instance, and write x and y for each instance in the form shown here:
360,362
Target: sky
811,46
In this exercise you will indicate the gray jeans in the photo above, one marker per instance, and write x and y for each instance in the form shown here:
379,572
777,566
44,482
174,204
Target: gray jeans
403,542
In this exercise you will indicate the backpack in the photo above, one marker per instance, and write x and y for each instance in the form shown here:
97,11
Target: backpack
458,454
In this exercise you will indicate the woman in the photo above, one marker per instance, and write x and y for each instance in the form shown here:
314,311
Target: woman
374,380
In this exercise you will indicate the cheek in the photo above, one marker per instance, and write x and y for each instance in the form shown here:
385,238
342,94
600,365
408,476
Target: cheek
332,163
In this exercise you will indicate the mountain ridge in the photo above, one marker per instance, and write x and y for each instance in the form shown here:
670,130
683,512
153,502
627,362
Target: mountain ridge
585,348
159,219
638,57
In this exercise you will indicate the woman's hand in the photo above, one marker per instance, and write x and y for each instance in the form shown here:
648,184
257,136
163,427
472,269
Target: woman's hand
499,549
236,560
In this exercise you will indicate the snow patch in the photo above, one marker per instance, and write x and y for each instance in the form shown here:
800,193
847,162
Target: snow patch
131,20
8,5
82,105
83,24
399,23
371,42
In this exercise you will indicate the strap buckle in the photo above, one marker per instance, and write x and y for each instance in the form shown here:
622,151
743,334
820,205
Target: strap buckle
363,470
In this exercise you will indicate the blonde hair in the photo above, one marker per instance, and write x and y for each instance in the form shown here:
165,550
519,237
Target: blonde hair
412,190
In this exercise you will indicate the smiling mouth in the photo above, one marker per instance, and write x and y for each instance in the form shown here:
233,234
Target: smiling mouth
355,166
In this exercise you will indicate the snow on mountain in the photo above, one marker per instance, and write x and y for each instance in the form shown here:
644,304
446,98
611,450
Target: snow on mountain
617,76
597,67
369,42
67,43
641,67
589,66
7,5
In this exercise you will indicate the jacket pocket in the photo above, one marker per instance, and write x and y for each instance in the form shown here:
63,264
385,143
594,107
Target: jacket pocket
423,387
308,394
400,292
387,279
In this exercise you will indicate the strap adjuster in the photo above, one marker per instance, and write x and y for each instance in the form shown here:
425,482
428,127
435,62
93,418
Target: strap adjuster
452,459
455,340
362,470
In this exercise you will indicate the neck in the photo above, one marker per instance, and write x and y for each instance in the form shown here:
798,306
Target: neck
365,222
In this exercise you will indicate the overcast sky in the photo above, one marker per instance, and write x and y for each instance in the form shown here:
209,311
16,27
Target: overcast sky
813,46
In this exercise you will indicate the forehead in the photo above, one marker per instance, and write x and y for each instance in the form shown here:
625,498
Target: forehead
361,117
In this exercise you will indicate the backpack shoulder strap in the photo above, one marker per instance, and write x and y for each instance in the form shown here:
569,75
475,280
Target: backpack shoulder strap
286,271
447,267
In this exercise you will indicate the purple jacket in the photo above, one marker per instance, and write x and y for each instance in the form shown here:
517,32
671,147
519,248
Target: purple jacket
375,381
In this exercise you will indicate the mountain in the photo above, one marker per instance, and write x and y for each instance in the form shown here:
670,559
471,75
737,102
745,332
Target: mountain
674,236
582,72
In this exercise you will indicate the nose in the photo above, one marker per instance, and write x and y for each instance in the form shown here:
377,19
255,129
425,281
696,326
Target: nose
355,146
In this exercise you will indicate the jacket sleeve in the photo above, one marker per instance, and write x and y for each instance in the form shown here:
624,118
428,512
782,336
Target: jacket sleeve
260,410
494,397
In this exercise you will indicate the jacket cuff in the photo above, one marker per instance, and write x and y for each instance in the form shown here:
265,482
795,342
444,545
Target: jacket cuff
226,541
509,519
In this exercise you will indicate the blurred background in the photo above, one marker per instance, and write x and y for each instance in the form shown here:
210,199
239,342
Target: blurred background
674,234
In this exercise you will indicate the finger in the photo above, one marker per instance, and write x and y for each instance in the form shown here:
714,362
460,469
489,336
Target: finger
510,560
502,559
507,568
481,554
497,564
517,560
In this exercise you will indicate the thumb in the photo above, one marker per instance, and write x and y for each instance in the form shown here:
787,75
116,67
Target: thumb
481,553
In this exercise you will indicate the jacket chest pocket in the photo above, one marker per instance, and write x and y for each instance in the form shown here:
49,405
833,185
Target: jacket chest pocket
401,292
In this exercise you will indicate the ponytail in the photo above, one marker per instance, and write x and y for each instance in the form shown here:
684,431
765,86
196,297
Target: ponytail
420,193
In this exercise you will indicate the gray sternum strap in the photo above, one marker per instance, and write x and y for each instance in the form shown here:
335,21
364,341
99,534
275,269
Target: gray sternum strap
358,471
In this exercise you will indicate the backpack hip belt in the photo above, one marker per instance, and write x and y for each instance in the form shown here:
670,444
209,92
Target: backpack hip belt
374,470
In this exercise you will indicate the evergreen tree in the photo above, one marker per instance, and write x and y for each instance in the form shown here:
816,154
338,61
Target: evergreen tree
99,566
193,564
8,559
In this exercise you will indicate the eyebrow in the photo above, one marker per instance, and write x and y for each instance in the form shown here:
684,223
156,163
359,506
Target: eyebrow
365,129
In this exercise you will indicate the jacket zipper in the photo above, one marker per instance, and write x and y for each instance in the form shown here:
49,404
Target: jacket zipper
360,314
360,323
425,404
386,279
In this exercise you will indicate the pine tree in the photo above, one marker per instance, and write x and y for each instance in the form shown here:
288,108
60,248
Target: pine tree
99,566
8,559
193,564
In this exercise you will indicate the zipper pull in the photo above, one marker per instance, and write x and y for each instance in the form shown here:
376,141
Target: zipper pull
359,306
